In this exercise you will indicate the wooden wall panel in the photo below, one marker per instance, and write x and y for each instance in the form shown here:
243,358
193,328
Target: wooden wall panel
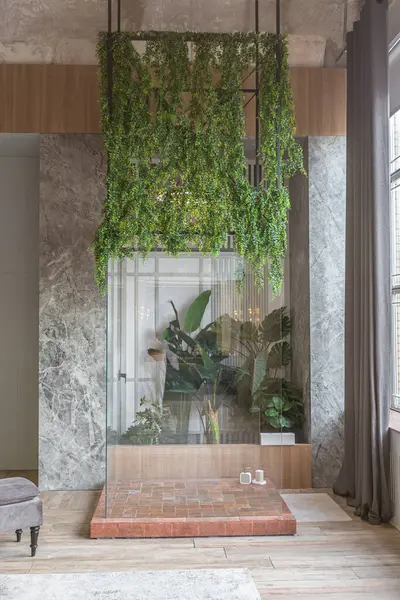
289,467
320,101
64,99
319,98
49,99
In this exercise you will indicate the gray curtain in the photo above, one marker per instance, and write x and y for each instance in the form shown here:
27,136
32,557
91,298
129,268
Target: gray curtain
365,472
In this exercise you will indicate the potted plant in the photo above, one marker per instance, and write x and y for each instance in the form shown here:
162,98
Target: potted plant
261,378
199,370
258,382
150,425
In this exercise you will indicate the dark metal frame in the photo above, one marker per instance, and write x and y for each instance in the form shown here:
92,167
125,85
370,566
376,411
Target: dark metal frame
254,91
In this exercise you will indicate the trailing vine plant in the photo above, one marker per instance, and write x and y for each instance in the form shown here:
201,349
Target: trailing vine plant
173,133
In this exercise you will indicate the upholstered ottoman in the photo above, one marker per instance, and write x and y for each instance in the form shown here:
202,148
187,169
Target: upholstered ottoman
20,506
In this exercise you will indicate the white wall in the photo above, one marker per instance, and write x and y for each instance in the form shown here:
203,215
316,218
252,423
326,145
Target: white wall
19,292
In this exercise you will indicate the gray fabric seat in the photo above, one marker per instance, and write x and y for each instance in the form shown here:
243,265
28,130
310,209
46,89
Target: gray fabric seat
17,489
20,507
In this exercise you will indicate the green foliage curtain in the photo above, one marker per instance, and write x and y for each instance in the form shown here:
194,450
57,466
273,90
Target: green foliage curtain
174,131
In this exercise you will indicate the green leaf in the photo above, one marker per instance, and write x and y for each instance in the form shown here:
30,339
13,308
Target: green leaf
270,386
249,332
168,334
207,362
196,311
278,403
271,412
176,322
207,373
280,355
182,380
185,338
260,369
276,325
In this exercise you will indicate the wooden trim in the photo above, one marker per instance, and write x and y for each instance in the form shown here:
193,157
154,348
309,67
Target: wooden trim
289,467
64,99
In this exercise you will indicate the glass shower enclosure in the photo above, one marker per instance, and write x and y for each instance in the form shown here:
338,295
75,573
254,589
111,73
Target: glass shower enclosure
194,364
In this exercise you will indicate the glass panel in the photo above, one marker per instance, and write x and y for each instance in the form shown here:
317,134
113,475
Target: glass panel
395,199
195,369
395,239
396,336
113,368
395,142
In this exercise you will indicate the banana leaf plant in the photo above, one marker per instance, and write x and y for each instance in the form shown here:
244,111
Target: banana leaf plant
265,353
199,370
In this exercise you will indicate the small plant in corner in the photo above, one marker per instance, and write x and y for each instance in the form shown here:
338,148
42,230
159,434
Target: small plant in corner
149,426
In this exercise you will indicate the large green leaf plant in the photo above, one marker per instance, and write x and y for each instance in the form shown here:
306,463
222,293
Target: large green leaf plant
199,368
261,380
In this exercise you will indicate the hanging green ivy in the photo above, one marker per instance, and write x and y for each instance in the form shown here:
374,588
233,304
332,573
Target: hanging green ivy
173,134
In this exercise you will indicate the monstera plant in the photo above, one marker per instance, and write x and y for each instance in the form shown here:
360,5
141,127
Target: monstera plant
260,380
197,367
199,370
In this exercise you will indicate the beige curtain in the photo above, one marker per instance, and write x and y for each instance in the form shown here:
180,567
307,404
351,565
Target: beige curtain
364,475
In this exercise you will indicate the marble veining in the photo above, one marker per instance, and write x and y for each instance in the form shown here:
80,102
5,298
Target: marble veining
327,208
72,314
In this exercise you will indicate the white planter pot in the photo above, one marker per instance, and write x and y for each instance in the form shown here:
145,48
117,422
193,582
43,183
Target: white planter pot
277,439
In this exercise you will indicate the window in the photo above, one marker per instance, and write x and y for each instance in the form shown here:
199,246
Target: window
395,209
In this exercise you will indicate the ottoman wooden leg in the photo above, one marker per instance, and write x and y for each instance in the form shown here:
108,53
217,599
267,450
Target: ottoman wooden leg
19,534
34,539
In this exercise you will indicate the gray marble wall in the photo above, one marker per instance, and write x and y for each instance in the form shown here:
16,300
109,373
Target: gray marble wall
72,314
327,214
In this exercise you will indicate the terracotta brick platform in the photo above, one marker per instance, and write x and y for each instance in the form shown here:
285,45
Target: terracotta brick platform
201,508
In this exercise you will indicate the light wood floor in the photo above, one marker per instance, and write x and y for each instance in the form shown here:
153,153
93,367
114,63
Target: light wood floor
346,561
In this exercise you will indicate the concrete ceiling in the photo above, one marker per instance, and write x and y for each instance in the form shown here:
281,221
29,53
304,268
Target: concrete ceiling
66,30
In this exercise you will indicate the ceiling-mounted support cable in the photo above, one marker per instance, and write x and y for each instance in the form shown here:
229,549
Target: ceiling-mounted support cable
278,80
344,41
118,15
109,58
256,93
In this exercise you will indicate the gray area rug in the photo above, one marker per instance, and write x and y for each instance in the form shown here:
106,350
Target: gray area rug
215,584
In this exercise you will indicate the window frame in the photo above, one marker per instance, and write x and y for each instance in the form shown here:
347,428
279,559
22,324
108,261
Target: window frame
394,171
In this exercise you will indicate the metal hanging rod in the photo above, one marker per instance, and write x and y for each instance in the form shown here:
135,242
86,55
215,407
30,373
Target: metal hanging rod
192,37
278,78
189,36
257,177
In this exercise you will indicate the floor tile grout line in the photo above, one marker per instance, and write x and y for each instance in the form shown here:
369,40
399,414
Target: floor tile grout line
358,577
